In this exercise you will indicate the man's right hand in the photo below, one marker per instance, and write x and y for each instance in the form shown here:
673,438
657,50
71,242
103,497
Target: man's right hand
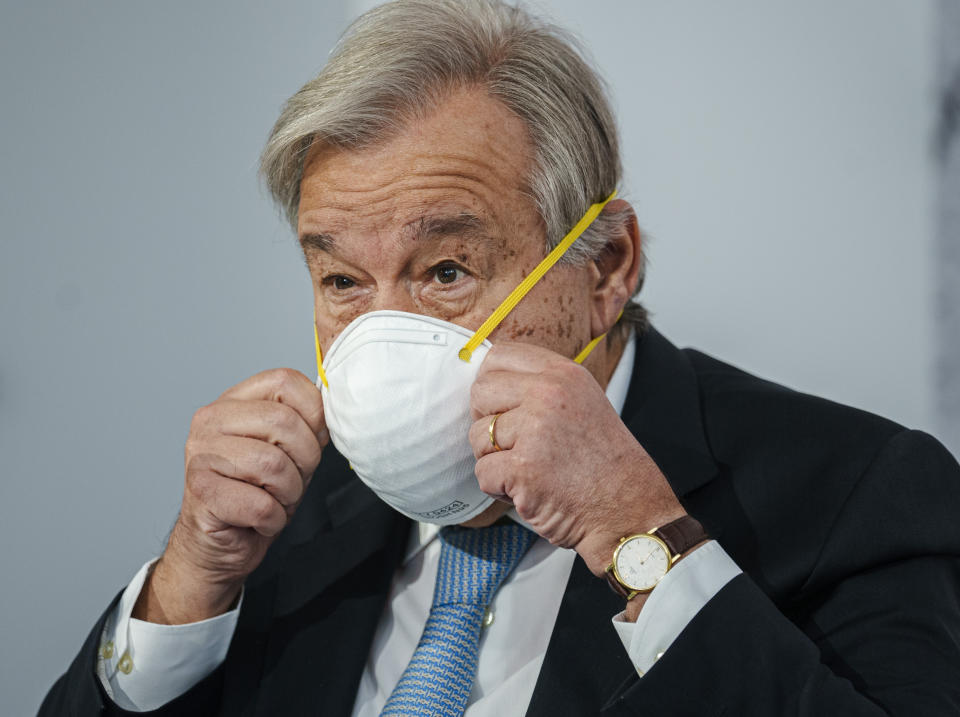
249,457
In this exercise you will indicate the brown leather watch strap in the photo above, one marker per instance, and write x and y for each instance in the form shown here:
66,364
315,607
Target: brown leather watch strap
617,586
681,534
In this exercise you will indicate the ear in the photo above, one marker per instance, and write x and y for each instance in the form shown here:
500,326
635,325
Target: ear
617,270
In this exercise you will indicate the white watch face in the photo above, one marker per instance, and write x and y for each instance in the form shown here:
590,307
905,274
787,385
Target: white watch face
641,562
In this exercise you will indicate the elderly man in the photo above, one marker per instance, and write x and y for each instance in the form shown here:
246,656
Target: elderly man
626,527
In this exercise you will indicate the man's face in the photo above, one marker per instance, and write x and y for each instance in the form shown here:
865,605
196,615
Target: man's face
437,221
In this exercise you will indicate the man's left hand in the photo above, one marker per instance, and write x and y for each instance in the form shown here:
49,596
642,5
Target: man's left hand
569,465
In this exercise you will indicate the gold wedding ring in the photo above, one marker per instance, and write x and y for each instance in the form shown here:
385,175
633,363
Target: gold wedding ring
493,437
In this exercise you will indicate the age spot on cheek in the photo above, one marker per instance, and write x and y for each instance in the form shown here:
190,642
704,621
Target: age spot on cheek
518,331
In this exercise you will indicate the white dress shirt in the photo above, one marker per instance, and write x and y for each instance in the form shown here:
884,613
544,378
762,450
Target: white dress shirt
144,665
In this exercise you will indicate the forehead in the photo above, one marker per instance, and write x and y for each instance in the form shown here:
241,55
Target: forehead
468,158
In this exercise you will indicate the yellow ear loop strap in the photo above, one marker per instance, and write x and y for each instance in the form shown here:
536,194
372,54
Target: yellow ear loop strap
316,341
581,357
514,297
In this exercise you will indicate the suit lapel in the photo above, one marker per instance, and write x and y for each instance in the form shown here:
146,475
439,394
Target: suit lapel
585,661
662,411
354,525
340,555
586,666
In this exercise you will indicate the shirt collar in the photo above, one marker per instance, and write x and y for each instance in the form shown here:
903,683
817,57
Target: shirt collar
620,379
616,394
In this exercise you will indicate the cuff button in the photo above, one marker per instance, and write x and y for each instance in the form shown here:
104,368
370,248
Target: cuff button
126,664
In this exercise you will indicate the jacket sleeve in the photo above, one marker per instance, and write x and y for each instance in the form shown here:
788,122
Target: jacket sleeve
875,630
78,692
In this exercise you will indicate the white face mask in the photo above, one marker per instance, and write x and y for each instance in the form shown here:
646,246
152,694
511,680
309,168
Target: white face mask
397,404
396,395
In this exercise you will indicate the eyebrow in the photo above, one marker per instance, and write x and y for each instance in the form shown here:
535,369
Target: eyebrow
463,224
317,241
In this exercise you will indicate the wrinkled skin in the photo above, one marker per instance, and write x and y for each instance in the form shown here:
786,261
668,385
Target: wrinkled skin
567,462
368,224
436,220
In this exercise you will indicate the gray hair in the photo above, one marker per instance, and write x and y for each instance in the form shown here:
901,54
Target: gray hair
399,60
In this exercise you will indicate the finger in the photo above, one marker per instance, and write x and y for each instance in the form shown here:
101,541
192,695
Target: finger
492,471
504,475
259,463
269,421
237,503
499,391
287,386
480,434
520,357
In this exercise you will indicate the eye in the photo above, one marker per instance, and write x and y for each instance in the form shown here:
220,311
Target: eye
340,283
446,273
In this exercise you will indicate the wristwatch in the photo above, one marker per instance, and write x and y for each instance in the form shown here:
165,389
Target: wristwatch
640,561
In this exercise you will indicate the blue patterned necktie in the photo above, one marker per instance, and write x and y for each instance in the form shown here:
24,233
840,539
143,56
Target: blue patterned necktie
473,564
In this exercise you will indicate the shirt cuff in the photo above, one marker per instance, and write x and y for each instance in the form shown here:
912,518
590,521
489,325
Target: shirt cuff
673,603
143,665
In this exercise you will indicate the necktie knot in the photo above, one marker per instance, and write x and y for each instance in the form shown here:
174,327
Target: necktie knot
474,562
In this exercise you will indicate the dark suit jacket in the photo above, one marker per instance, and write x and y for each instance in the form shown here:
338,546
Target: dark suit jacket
845,525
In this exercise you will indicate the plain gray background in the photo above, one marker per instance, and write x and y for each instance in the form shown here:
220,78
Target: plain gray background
780,155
